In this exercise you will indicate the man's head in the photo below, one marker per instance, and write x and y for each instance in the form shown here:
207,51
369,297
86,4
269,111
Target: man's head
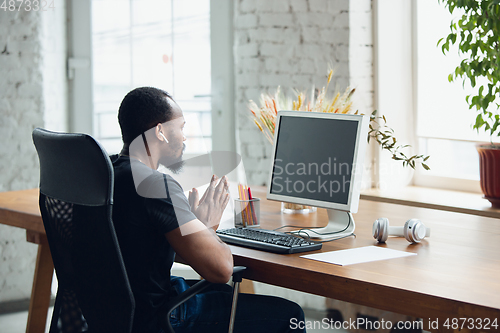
142,109
150,115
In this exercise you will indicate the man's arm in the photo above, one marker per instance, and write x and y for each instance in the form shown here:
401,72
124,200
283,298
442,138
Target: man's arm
202,249
196,241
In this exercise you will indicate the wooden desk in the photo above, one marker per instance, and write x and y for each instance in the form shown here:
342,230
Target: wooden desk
20,209
455,274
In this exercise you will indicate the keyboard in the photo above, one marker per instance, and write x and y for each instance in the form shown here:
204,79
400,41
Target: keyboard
267,240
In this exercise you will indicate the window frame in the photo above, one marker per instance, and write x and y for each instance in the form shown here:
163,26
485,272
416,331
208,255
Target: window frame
405,122
80,110
80,77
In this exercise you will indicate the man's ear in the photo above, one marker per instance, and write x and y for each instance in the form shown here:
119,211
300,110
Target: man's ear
159,133
158,129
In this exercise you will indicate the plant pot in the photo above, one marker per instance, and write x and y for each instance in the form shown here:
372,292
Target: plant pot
489,169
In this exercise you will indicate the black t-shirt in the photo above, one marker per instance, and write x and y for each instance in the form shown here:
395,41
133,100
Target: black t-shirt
147,204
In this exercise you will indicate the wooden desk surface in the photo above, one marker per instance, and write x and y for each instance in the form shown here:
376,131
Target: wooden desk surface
455,274
20,209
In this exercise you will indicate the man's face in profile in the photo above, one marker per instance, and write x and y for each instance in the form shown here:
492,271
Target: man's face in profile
173,150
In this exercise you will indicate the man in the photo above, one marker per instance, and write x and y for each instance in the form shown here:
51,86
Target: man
154,221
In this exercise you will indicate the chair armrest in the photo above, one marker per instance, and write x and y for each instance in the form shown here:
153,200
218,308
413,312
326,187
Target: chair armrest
174,302
237,273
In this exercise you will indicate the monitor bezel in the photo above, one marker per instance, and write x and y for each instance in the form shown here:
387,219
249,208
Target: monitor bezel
359,155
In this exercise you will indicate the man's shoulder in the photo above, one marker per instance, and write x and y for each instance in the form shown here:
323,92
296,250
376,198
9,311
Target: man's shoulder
173,183
148,183
114,158
120,163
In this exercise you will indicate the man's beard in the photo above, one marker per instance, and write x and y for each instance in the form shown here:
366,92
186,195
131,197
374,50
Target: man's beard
174,165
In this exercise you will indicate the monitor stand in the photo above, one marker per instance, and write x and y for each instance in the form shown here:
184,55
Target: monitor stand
340,225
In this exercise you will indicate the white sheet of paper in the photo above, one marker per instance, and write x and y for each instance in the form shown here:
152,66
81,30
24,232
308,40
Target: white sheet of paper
358,255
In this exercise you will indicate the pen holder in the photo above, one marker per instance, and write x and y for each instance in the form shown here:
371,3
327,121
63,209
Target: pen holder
247,213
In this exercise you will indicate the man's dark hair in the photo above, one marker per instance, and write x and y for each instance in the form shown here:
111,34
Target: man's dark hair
142,109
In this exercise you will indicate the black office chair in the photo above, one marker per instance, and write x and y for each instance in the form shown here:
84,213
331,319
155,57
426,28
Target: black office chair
76,197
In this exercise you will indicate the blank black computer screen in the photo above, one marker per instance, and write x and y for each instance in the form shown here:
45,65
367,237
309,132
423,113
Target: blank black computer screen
314,158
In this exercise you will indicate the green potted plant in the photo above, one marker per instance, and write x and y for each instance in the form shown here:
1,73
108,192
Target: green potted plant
477,34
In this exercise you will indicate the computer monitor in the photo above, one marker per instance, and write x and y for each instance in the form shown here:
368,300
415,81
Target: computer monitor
317,160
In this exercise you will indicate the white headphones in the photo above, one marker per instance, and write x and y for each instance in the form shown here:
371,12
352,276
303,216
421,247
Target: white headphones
163,136
413,230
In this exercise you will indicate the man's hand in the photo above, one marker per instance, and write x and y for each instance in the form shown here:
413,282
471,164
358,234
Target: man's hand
210,207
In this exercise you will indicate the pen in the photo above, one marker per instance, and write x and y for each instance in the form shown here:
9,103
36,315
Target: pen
244,216
252,207
247,206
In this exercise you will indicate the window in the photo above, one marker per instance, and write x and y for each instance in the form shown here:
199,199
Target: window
444,121
426,110
160,43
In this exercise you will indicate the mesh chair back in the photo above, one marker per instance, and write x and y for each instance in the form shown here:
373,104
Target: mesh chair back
76,191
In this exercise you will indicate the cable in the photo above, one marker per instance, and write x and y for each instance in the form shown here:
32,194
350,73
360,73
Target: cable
303,230
332,232
337,238
289,226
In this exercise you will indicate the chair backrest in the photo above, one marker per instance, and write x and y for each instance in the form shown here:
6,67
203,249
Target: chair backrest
76,196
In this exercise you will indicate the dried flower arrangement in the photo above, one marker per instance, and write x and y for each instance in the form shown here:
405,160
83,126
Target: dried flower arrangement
265,117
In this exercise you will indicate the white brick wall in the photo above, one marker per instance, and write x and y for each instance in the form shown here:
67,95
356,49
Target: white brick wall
291,43
21,110
361,68
21,98
361,53
32,90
